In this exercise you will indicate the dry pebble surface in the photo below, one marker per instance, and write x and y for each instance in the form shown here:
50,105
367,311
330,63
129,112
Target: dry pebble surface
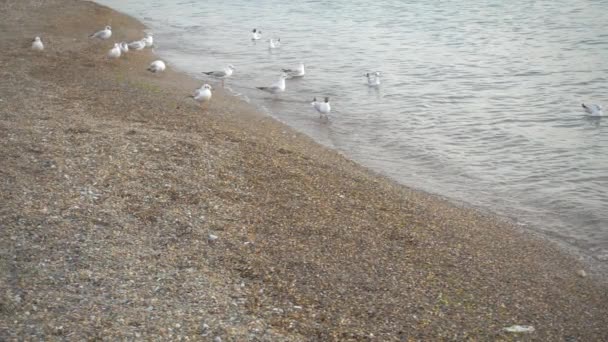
129,212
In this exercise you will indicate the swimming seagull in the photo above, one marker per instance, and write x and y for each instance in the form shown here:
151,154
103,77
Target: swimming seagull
202,94
593,109
103,34
299,72
222,74
277,87
322,107
373,79
256,35
137,45
114,52
274,44
157,66
37,44
148,40
124,47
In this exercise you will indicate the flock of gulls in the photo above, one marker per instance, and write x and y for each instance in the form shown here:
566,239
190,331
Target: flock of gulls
203,94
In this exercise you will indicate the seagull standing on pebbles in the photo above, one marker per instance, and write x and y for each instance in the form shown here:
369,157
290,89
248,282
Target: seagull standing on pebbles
114,52
593,109
299,72
124,47
103,34
256,35
137,45
148,40
37,44
157,66
322,107
277,87
203,94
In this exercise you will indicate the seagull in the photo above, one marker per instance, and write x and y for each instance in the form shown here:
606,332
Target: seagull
274,44
124,47
299,72
322,107
157,66
256,35
114,52
222,74
137,45
277,87
37,44
373,79
103,34
148,39
202,94
593,109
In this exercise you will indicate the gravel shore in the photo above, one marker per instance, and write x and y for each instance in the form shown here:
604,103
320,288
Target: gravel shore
112,182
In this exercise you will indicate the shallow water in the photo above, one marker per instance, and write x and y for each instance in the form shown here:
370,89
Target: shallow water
479,102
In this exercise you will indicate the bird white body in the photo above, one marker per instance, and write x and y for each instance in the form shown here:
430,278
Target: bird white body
277,87
137,45
37,44
157,66
124,47
148,40
115,51
203,94
299,72
323,108
373,79
103,34
256,35
225,73
593,109
274,44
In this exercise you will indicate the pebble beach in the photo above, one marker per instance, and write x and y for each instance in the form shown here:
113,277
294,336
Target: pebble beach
128,211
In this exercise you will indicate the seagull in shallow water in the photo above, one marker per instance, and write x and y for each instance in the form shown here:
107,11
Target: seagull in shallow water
103,34
277,87
115,51
373,79
148,40
157,66
202,94
274,44
299,72
124,47
137,45
256,35
37,44
322,107
593,109
221,74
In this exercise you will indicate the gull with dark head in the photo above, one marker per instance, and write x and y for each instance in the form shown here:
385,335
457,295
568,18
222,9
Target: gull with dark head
593,109
256,35
323,108
37,44
103,34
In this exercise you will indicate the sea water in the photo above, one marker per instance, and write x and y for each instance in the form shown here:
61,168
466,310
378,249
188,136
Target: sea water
480,100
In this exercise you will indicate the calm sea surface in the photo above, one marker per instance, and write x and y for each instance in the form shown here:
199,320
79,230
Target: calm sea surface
480,100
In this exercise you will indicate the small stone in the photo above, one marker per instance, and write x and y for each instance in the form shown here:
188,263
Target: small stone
217,339
582,273
212,237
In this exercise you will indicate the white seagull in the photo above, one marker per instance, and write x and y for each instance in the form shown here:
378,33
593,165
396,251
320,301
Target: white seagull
256,35
373,79
137,45
299,72
222,74
593,109
148,39
202,94
322,107
157,66
124,47
37,44
114,52
274,44
277,87
103,34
